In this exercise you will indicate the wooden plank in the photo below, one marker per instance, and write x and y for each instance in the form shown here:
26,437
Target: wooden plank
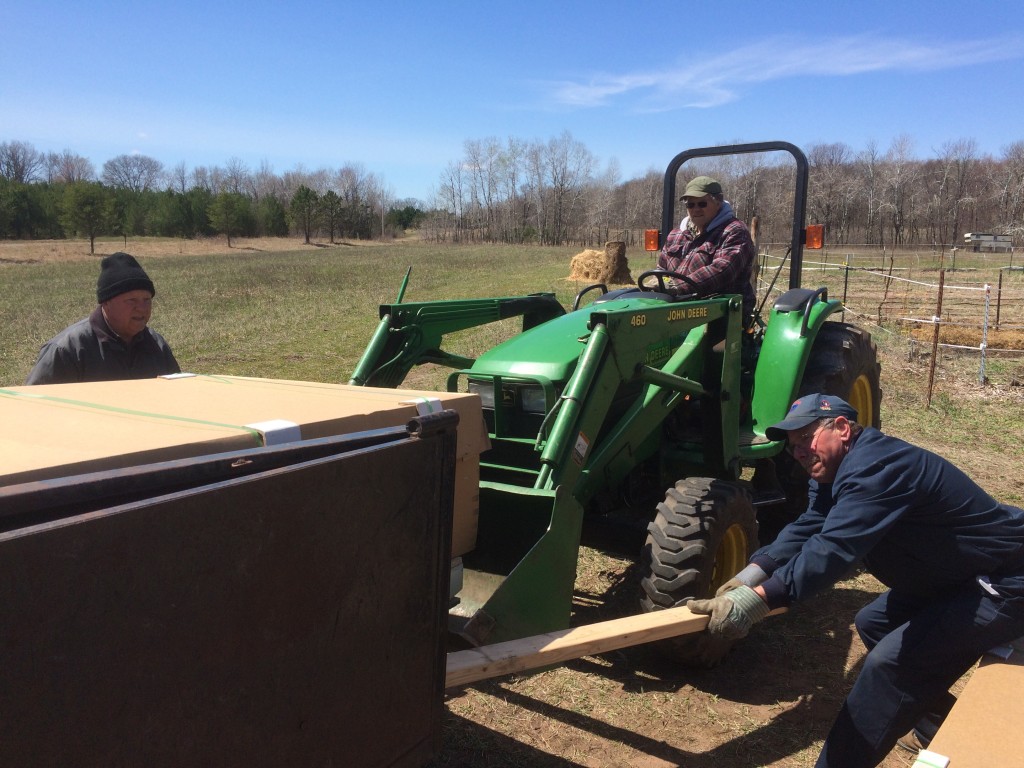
475,664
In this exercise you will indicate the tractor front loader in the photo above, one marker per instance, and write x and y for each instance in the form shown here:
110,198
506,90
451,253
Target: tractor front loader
593,413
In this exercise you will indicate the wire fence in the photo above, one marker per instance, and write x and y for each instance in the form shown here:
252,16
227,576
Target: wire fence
948,312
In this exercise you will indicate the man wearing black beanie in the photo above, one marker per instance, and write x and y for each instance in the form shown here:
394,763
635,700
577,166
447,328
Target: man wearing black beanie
114,342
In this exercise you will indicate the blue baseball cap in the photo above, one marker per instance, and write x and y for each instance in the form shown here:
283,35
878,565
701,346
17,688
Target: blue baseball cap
810,408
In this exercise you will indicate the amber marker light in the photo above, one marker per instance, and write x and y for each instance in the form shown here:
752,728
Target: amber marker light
814,237
651,240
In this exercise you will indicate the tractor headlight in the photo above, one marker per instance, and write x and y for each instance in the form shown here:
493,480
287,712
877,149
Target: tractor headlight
528,398
532,400
485,390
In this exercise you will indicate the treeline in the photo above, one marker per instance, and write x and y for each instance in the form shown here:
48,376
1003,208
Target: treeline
552,192
57,195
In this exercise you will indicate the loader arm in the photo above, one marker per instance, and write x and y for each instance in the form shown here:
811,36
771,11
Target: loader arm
532,535
413,334
586,451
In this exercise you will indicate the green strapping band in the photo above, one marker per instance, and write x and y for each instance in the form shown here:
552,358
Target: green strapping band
925,761
240,381
255,433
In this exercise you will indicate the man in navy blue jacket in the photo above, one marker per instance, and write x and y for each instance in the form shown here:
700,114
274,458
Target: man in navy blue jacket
951,556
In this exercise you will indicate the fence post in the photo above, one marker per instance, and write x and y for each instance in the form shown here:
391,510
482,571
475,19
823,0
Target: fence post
984,333
999,297
846,284
935,335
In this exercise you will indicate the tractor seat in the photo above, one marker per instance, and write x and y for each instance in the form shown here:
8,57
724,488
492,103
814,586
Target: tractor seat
795,299
748,437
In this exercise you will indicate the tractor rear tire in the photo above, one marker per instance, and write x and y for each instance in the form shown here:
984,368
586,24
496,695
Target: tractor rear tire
843,362
703,534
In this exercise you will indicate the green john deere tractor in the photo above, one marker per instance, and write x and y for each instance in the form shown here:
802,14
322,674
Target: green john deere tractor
594,412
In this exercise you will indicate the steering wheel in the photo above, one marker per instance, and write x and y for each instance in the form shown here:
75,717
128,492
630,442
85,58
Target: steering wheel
662,276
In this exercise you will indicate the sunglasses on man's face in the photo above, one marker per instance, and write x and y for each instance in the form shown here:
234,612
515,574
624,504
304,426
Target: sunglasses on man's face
696,203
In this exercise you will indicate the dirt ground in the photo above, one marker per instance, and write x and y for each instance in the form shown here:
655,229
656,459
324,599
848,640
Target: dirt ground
769,704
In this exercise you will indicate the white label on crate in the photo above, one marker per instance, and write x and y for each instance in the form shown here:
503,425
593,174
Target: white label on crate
426,405
277,431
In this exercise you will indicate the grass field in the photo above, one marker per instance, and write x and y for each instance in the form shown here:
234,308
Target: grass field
284,310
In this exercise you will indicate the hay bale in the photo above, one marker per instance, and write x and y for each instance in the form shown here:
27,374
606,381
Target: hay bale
609,266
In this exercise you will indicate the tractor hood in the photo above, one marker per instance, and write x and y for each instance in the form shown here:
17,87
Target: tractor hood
551,351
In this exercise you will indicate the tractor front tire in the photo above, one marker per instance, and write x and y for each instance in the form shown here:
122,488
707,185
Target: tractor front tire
703,534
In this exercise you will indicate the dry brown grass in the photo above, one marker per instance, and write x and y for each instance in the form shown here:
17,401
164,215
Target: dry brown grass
42,251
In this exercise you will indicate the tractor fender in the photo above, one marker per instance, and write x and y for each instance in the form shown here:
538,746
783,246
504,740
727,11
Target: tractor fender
792,327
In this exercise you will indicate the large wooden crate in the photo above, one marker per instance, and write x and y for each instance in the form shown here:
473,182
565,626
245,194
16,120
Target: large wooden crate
271,607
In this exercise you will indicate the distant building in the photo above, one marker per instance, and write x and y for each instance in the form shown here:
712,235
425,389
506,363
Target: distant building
977,241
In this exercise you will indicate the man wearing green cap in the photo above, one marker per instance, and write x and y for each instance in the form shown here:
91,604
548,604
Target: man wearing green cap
114,342
711,247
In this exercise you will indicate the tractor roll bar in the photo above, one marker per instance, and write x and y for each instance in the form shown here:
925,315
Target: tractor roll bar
668,205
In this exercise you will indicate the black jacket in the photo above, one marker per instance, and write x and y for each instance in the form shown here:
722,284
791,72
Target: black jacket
90,351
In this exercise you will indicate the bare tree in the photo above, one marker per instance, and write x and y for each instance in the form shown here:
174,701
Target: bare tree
516,205
265,183
900,187
382,196
448,206
640,204
20,162
178,178
483,163
202,178
954,191
235,177
868,170
1007,182
535,175
137,173
830,196
599,206
67,167
569,166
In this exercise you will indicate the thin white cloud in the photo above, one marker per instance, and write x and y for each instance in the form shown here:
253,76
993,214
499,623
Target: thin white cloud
724,78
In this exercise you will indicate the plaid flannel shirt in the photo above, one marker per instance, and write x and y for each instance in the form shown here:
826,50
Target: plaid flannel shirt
719,261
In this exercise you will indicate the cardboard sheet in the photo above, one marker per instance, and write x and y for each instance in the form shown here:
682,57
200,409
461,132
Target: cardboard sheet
57,430
984,728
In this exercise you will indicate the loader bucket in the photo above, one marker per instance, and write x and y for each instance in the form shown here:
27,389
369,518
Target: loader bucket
519,579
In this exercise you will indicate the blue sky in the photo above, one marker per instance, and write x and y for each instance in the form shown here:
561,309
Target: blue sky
397,87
